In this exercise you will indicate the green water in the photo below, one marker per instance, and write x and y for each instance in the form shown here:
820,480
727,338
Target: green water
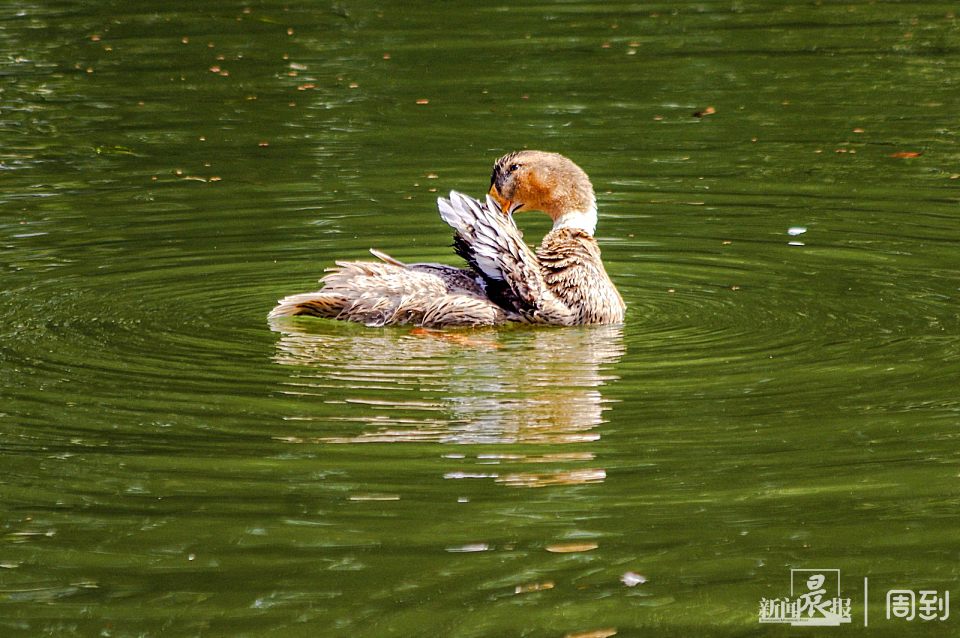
171,464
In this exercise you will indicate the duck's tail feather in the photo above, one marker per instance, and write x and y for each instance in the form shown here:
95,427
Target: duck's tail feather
384,257
313,304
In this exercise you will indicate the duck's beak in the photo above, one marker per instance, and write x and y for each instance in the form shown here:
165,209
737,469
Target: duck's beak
506,206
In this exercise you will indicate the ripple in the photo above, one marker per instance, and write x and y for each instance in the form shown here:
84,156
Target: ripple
740,302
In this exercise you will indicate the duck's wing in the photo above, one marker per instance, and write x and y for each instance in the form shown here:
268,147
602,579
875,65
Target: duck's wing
489,240
385,294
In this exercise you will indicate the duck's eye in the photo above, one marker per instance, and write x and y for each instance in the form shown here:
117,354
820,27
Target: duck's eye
513,167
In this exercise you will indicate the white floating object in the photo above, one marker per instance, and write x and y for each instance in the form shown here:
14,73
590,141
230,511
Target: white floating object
374,497
632,579
795,243
469,475
469,548
793,231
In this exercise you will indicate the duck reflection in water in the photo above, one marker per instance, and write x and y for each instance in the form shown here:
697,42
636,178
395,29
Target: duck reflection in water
479,387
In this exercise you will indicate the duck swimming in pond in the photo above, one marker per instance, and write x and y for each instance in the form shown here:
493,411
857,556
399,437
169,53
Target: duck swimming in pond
562,283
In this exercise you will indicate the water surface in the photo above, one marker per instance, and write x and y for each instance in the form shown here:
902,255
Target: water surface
173,464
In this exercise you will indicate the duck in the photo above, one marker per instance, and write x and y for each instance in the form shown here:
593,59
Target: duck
563,282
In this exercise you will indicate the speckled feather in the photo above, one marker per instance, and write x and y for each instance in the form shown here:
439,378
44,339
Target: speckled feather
563,283
393,293
573,271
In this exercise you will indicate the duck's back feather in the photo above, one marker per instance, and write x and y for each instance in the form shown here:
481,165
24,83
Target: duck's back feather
394,293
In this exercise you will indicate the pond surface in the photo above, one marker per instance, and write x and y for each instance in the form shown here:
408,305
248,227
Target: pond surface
783,394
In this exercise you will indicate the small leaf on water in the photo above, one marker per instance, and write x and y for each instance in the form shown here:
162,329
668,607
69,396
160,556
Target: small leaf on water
906,154
571,548
596,633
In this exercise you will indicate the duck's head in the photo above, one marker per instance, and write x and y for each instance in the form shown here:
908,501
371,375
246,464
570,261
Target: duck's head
549,182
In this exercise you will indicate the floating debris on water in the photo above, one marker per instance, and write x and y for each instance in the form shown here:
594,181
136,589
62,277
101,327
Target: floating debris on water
532,587
632,579
571,548
469,548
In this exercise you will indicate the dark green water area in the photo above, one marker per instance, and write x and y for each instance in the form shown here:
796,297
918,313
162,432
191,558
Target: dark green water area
779,196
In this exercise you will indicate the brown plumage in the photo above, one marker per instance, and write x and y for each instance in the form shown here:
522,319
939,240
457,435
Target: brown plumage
563,283
572,269
394,293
